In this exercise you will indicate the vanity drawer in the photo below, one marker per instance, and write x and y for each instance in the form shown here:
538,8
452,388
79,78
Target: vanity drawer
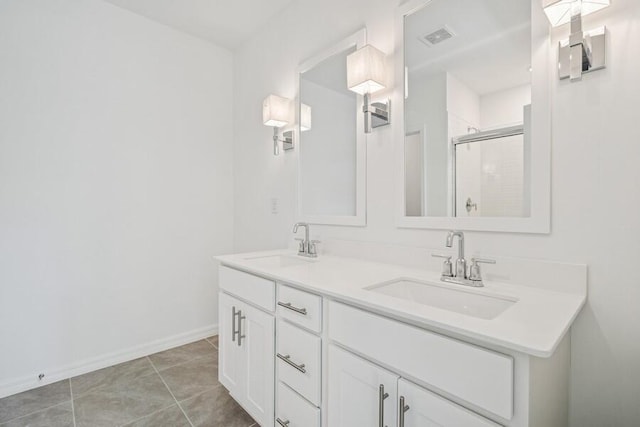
254,289
296,347
300,307
479,376
293,411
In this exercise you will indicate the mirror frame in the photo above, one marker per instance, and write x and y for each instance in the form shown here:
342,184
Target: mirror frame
357,40
540,219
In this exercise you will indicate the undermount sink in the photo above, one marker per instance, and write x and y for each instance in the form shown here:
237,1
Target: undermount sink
442,296
278,260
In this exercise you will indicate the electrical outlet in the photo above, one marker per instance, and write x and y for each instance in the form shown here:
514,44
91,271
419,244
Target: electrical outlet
274,206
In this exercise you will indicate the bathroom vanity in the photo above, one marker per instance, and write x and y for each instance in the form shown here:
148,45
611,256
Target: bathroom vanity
338,342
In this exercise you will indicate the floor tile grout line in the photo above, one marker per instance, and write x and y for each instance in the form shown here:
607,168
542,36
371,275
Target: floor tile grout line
207,339
34,412
201,393
102,386
148,415
171,393
164,368
73,407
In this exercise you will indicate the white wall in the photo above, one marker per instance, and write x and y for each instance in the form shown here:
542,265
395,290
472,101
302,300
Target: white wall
595,198
115,185
504,107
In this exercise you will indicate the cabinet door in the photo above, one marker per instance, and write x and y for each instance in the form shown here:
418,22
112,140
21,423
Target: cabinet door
427,409
231,357
357,390
257,337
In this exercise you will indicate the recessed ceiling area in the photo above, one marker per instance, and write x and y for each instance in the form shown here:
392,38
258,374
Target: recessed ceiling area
227,23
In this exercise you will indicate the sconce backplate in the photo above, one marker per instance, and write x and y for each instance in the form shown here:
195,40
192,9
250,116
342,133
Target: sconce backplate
287,140
596,39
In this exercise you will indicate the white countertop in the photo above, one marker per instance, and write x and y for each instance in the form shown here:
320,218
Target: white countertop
534,325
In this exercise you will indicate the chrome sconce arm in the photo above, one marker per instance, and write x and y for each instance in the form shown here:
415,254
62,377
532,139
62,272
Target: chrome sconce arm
287,141
582,52
276,112
366,74
376,114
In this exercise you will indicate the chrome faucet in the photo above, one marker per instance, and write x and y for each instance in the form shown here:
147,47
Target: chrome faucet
461,263
460,275
306,247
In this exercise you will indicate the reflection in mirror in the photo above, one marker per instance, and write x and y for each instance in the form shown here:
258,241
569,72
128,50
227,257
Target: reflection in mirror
331,150
467,108
328,139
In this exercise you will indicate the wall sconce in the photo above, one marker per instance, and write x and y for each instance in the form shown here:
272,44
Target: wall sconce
366,74
276,112
583,52
305,117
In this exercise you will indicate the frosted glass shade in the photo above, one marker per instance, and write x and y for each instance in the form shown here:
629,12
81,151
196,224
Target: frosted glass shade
366,70
305,117
275,111
559,11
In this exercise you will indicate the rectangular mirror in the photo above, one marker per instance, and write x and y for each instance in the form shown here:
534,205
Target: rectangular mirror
332,151
475,145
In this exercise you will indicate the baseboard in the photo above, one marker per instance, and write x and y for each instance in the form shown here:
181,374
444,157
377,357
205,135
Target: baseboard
18,385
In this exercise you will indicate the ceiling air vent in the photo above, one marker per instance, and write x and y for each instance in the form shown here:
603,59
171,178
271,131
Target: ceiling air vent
437,36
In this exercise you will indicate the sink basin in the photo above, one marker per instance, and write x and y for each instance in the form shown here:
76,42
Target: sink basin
278,261
442,296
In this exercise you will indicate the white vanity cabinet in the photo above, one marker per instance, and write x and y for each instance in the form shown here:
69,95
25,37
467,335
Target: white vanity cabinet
422,408
298,357
360,392
364,394
295,358
246,346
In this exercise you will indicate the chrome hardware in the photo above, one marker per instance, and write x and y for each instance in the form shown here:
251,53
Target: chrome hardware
461,263
300,245
234,313
460,275
470,205
403,408
313,251
287,359
474,271
288,305
283,423
447,268
306,247
381,397
240,319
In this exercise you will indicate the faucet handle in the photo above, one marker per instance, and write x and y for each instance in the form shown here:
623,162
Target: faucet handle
300,245
482,260
474,271
447,267
312,247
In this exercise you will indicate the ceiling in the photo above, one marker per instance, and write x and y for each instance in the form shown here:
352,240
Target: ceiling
490,49
227,23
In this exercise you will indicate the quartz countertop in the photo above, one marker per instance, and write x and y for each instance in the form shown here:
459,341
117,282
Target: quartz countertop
534,325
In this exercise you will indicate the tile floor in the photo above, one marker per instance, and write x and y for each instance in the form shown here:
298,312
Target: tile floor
174,388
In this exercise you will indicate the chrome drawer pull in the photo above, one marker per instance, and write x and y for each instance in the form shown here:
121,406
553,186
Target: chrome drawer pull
282,423
234,313
240,335
403,408
381,397
287,359
288,305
